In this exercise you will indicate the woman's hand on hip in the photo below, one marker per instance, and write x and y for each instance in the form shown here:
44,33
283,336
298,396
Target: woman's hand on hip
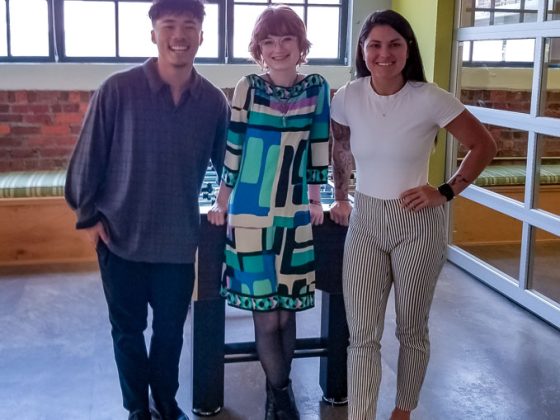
418,198
340,212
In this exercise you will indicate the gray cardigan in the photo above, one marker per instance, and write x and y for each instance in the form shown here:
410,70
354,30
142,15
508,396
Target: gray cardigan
140,161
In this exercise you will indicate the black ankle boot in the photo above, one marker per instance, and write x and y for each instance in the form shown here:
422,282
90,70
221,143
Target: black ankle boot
270,408
285,403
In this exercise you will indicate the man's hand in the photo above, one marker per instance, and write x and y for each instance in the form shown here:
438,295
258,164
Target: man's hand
340,212
217,214
97,232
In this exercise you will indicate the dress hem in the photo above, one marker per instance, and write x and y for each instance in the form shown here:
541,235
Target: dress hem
251,303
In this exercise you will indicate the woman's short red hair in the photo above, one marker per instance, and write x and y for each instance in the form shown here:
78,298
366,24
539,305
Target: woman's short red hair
278,20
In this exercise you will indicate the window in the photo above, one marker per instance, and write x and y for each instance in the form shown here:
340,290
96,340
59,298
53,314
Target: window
498,12
24,34
505,228
500,52
119,30
484,13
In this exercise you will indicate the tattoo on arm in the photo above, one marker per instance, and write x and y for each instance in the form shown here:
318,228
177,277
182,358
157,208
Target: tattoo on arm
342,159
459,180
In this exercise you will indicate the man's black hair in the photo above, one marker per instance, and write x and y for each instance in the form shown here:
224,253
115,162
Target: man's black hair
176,7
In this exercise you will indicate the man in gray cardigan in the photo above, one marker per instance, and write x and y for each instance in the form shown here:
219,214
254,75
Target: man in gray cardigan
134,181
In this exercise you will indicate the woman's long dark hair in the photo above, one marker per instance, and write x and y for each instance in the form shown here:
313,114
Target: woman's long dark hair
414,69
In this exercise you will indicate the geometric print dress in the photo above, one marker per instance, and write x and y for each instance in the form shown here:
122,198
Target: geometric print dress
277,144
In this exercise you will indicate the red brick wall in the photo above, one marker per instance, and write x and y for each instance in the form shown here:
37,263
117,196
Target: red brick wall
513,143
514,100
38,129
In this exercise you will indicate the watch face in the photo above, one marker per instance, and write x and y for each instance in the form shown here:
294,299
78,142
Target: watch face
446,191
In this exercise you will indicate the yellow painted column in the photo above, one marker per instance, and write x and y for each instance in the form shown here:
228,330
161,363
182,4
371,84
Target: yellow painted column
432,21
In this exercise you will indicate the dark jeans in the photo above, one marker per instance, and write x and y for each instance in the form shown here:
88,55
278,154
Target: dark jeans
129,287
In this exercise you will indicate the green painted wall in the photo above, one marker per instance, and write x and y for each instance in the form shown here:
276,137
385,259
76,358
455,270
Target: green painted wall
432,21
422,16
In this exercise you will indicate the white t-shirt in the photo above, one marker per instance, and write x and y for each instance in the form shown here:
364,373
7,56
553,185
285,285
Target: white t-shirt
391,137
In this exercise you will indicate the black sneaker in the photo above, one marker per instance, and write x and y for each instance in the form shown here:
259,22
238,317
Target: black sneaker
139,415
166,413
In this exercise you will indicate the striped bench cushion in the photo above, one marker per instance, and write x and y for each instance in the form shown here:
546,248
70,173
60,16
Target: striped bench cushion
51,184
32,184
499,175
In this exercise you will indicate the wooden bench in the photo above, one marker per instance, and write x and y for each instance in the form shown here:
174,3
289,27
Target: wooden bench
36,225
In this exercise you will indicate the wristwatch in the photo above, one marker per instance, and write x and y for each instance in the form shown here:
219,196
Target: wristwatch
446,190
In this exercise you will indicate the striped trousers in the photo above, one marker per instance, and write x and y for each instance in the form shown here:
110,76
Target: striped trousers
387,245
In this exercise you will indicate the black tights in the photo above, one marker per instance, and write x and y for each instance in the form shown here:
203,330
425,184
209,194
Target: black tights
275,337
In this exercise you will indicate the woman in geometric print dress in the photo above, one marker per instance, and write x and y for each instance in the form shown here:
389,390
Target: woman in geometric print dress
277,155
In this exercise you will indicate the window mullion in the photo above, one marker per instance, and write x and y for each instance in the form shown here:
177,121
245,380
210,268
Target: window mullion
542,11
8,30
59,49
229,31
222,31
344,37
117,45
52,32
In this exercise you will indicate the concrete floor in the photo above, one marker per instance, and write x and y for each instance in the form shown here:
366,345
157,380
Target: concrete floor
506,257
490,358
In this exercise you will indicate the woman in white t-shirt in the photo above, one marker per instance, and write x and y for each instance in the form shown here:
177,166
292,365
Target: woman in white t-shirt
387,119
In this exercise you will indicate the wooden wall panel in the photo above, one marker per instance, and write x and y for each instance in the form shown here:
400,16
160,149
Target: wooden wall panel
39,231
